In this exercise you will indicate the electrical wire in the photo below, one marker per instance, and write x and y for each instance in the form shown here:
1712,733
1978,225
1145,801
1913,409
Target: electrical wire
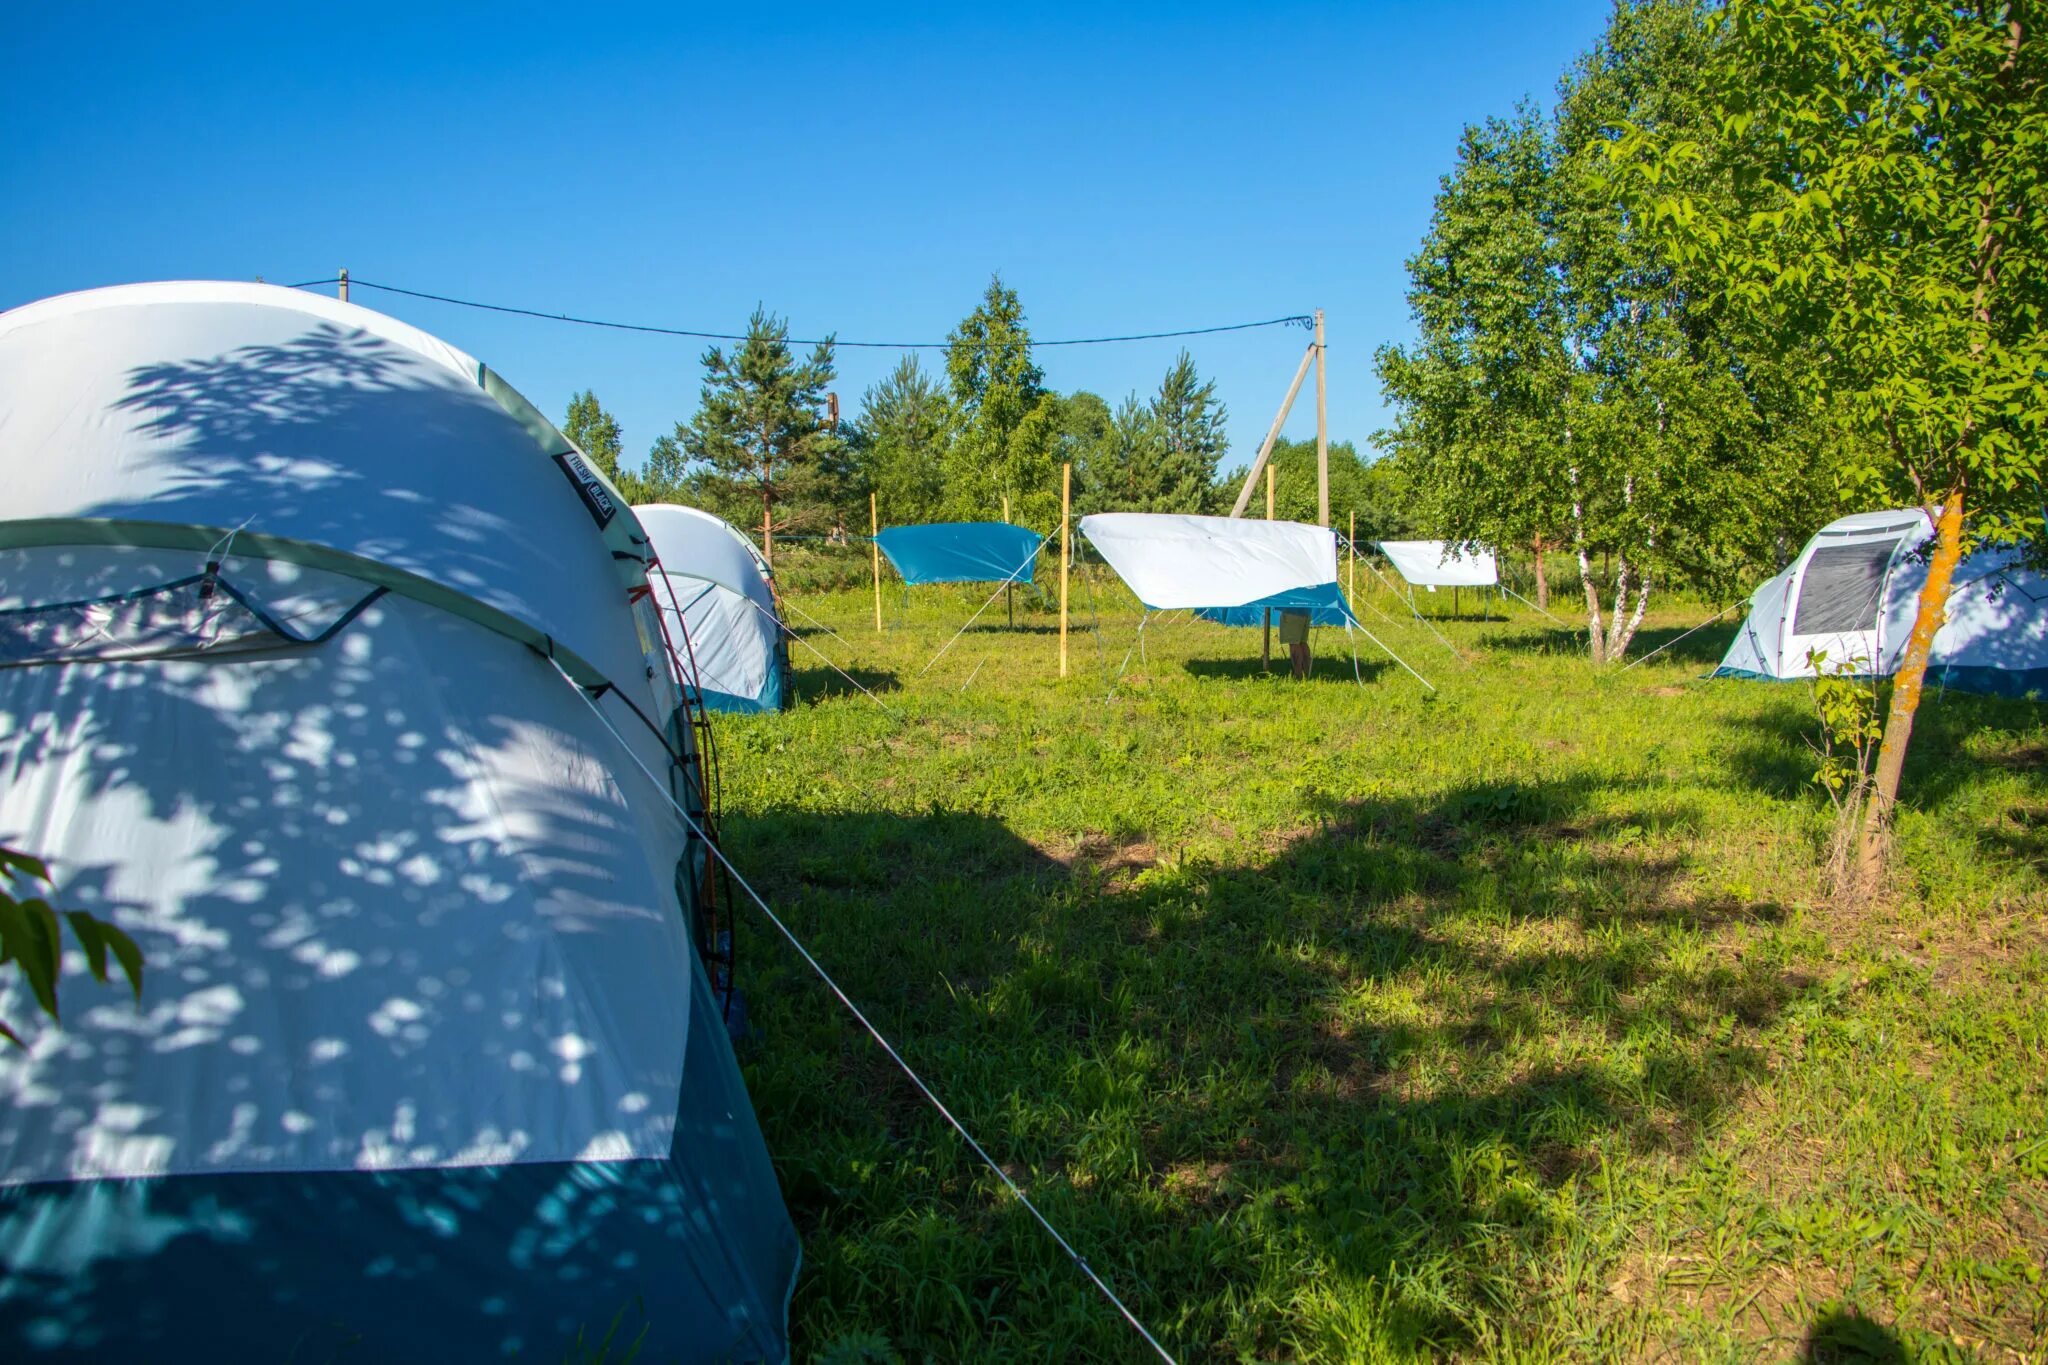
1292,320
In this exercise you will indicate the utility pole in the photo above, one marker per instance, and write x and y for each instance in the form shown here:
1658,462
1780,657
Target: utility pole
343,282
1322,430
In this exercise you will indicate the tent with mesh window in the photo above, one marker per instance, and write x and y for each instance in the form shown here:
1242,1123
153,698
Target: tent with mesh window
328,671
718,602
1852,594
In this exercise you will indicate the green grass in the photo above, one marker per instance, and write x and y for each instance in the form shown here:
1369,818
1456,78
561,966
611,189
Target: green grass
1349,1024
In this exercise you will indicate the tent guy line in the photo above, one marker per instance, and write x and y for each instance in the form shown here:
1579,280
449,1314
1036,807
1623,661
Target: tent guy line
818,968
1291,320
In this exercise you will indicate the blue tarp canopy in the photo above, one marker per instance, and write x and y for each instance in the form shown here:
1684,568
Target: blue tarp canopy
1324,604
962,552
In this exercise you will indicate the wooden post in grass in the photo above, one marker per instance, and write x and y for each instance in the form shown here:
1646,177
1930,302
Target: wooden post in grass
1351,568
1066,535
1009,602
875,545
1266,642
1322,432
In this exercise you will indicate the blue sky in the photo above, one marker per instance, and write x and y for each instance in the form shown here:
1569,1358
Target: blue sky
860,169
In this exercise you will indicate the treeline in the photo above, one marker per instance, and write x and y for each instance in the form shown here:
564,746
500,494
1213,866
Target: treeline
957,443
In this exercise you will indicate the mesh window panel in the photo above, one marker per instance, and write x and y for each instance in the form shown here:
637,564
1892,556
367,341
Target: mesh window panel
1841,587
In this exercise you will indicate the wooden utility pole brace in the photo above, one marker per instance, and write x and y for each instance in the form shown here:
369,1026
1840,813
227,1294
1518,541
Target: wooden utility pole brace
1066,540
1322,431
343,282
875,546
1251,477
1266,642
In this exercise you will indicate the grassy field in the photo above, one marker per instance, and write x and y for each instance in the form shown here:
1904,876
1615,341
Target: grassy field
1348,1023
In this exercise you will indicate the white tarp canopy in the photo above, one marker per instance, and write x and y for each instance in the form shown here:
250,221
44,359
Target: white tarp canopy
1172,561
712,586
1441,564
1853,593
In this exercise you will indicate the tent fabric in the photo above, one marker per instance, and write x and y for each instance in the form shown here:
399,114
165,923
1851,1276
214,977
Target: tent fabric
1225,568
1441,564
1853,592
310,424
962,552
712,588
423,1022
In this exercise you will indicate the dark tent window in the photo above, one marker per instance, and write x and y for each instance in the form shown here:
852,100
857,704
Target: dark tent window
1840,589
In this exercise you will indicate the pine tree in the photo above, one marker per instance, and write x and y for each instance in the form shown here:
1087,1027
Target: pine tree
1006,443
900,441
1189,424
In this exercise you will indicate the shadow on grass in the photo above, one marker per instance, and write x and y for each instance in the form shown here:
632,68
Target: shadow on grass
1324,668
821,683
1373,1064
1844,1336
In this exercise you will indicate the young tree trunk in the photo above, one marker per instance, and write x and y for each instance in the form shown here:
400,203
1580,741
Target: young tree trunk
767,529
1875,843
1635,619
1542,579
1596,643
1622,583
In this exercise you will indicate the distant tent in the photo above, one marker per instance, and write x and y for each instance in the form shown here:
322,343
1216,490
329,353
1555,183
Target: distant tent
426,1066
1224,569
1441,564
962,552
713,590
1853,593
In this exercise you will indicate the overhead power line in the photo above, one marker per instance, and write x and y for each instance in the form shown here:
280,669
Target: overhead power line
1292,320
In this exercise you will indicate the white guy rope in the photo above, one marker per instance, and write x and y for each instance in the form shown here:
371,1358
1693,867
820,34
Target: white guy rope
1463,662
873,1032
1531,605
789,602
1028,561
1694,631
1390,654
784,628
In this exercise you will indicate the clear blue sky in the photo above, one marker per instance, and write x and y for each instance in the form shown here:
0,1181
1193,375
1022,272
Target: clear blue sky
859,168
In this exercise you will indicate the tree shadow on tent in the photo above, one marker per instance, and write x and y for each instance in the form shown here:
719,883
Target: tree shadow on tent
1369,1065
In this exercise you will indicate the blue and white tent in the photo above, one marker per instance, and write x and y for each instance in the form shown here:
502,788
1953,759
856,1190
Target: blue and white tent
1224,569
715,596
962,552
1854,590
327,671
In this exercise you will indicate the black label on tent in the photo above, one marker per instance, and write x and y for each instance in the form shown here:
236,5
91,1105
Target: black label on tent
594,494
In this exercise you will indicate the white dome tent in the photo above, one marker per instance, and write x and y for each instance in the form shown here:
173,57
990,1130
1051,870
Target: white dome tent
1853,592
426,1062
715,594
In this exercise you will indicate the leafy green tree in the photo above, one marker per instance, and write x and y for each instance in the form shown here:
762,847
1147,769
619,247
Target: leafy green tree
665,476
900,440
761,431
1887,165
32,937
596,433
1189,421
1119,470
1006,445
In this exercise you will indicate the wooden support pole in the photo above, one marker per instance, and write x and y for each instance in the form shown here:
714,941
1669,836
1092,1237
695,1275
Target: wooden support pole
874,530
343,282
1351,586
1251,477
1322,431
1066,548
1266,642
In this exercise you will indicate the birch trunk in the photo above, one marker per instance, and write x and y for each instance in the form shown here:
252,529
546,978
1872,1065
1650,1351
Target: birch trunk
1586,572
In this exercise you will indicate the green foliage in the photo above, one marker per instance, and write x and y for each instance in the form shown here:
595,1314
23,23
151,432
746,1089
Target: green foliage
1845,704
595,432
1006,441
762,437
1190,425
1377,492
1567,384
32,937
1886,172
899,442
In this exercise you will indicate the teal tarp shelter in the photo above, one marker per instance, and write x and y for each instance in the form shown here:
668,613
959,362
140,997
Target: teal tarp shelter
1854,590
426,1066
962,552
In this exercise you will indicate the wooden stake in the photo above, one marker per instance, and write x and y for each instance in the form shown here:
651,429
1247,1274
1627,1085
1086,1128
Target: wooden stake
1009,600
875,529
1006,507
1322,431
1266,642
1066,536
1251,477
343,282
1351,586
